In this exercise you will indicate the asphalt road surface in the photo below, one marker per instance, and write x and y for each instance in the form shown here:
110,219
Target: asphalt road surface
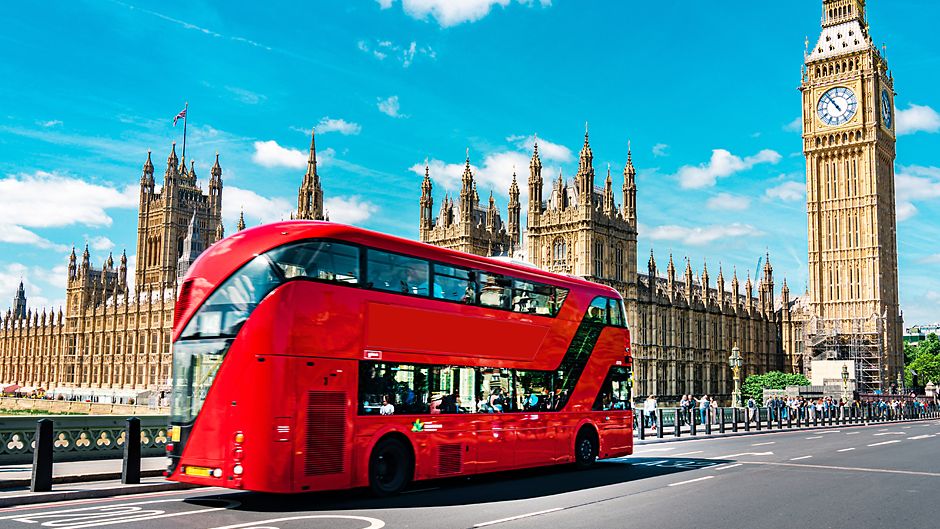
851,477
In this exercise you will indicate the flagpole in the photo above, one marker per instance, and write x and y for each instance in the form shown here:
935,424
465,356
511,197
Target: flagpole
185,113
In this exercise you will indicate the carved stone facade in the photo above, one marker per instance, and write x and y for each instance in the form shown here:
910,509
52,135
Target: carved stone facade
682,331
851,310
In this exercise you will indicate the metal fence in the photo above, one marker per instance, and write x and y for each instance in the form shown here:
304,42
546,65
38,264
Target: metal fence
80,437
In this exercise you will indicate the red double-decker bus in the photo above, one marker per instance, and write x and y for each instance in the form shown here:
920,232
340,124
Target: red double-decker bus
312,356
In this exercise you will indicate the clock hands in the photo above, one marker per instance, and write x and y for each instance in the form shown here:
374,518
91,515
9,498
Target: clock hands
833,101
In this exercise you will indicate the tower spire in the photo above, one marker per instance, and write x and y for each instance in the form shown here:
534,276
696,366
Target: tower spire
310,194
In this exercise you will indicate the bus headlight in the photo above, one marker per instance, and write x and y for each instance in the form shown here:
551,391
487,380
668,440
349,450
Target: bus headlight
237,470
217,473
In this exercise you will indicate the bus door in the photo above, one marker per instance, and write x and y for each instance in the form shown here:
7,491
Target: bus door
496,443
535,437
322,454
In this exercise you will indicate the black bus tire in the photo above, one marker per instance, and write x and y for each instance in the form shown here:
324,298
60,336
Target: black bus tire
391,467
585,449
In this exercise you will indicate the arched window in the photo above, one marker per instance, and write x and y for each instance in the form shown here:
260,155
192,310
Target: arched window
618,263
599,259
559,252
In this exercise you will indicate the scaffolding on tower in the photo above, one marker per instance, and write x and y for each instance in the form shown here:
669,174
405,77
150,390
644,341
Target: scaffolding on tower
857,340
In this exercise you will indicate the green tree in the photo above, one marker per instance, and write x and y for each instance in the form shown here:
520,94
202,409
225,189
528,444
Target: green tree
754,385
924,359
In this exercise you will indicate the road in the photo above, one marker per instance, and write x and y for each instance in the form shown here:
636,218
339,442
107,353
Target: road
870,476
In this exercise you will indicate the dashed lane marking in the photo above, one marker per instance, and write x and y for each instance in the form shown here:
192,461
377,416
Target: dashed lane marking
885,443
853,469
724,467
762,444
920,437
852,433
689,453
799,458
889,433
814,437
656,450
690,481
730,456
845,450
484,524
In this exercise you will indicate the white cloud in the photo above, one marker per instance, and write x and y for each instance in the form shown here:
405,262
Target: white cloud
49,123
794,126
390,107
728,202
50,200
257,208
100,243
703,235
547,150
349,210
660,149
404,54
495,174
36,280
933,296
270,154
346,128
722,164
917,118
915,183
931,259
452,12
788,191
246,96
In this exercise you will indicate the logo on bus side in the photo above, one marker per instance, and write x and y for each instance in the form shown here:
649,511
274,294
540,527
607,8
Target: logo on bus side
372,355
421,426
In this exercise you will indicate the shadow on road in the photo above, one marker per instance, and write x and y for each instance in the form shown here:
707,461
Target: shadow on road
488,488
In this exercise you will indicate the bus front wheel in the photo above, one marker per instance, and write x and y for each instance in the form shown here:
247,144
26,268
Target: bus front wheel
390,467
585,449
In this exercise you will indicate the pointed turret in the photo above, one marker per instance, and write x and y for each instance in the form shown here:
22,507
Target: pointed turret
491,214
720,286
85,261
310,195
172,168
146,177
609,207
515,215
241,221
427,204
192,247
19,302
535,186
585,177
705,281
73,267
671,277
467,193
629,188
651,268
220,232
735,288
688,279
122,271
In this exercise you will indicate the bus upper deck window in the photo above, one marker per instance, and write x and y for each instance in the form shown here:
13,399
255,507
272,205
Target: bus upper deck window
329,261
597,312
616,314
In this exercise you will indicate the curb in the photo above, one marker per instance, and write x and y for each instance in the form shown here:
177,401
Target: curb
82,478
687,437
29,498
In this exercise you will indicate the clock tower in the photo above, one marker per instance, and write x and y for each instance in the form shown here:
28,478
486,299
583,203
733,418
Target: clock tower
849,143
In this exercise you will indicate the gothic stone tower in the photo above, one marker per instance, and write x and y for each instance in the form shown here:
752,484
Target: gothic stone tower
580,230
310,194
165,216
849,143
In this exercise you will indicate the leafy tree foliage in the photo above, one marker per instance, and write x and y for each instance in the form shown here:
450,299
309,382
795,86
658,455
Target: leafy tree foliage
924,359
754,385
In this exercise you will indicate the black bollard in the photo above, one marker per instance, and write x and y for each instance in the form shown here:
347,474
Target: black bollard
130,472
693,422
721,420
708,423
677,424
780,419
659,424
734,419
770,420
42,457
790,418
747,419
641,424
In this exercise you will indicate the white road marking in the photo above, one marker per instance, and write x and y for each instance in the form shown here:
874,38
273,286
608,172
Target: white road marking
656,450
484,524
815,437
890,433
762,444
802,457
722,467
854,469
885,443
689,453
845,450
373,523
111,514
729,456
830,431
852,433
920,437
690,481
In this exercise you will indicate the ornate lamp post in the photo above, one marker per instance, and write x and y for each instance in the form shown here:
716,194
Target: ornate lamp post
735,362
845,383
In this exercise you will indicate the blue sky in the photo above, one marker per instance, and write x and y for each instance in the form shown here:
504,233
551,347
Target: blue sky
705,91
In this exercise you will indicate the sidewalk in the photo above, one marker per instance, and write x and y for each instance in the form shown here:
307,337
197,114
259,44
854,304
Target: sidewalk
18,476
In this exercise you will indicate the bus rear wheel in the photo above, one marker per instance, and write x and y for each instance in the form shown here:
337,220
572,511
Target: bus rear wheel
585,449
390,467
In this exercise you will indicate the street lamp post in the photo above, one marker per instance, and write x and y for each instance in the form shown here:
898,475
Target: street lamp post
845,383
735,362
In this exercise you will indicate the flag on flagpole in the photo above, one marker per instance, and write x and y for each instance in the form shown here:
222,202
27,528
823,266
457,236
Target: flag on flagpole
181,115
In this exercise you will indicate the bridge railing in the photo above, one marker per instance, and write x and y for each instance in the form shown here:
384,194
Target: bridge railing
80,437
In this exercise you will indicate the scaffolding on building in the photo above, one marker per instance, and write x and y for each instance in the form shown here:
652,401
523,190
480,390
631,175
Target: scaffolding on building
857,340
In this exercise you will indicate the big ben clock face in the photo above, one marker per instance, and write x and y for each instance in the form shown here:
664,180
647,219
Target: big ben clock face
887,109
837,106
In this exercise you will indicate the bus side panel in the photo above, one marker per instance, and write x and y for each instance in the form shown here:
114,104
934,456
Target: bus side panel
323,448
